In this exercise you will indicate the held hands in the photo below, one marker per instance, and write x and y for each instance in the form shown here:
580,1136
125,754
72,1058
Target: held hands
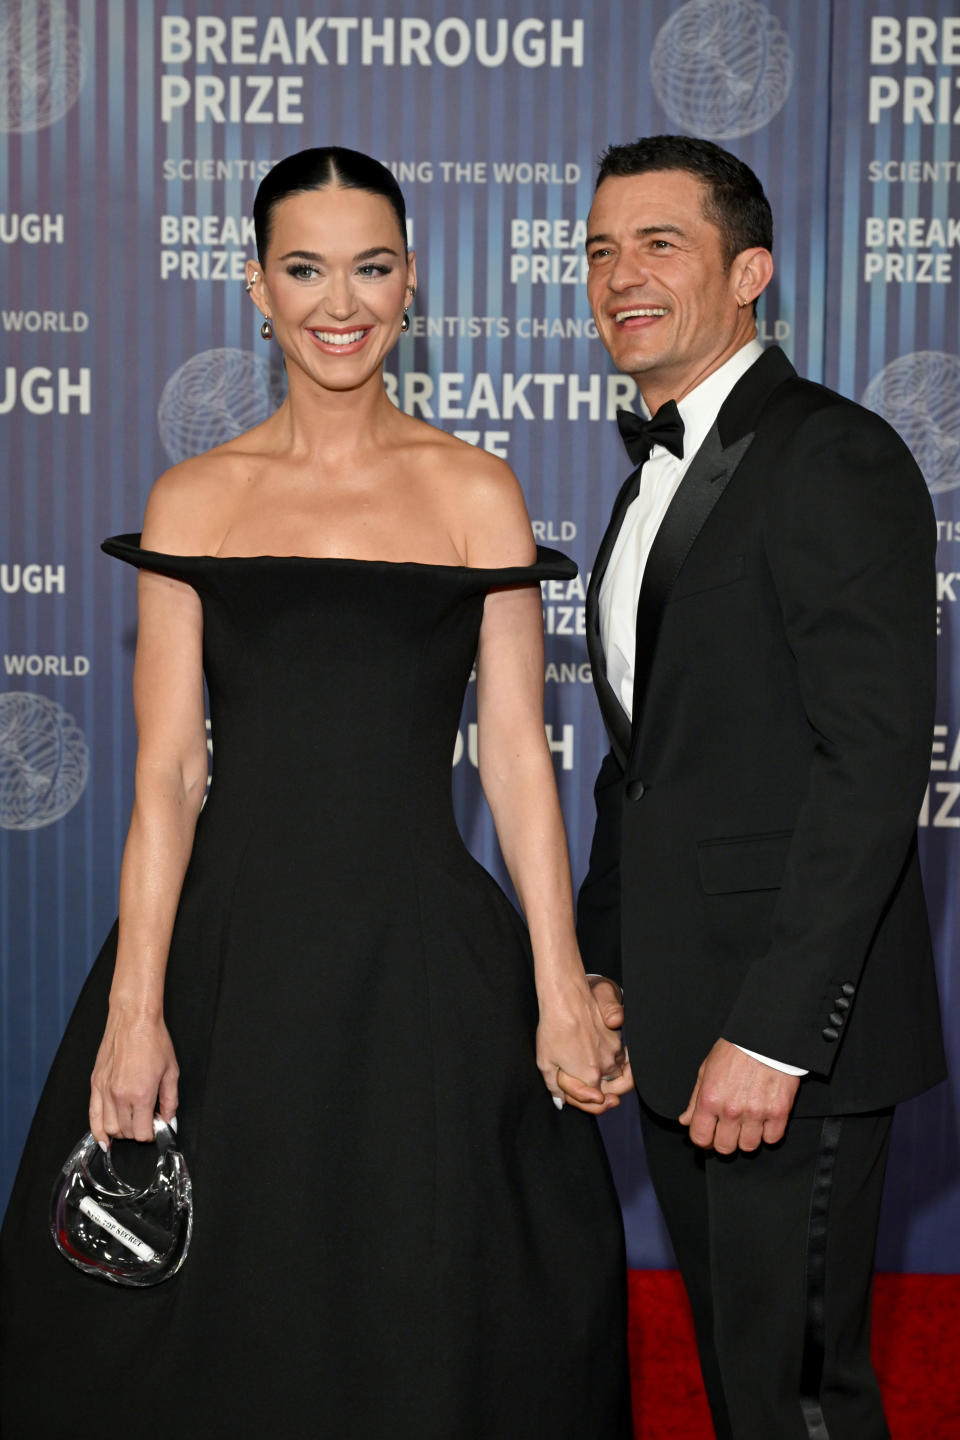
738,1102
135,1076
580,1052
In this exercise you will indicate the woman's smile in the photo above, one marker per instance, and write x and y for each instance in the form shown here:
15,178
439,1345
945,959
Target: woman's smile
335,341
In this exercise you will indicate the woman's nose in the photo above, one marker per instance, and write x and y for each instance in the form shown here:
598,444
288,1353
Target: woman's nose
341,299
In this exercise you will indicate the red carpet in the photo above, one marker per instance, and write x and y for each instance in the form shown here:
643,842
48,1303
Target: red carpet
916,1328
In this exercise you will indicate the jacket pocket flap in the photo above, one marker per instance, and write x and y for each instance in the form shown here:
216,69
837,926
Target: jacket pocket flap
747,862
712,575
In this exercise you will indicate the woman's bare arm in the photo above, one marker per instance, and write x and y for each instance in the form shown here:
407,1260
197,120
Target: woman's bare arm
136,1070
516,771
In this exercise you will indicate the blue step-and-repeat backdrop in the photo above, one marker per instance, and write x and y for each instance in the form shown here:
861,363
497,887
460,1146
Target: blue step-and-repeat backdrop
134,133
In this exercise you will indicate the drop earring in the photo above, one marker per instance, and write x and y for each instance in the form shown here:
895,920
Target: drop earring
266,329
405,322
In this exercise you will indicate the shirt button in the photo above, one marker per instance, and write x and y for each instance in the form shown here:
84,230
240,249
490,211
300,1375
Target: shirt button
636,790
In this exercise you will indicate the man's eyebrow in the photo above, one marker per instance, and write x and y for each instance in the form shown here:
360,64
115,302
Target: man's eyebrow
641,233
363,255
660,230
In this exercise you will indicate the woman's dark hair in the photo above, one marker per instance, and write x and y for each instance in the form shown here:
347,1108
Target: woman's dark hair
734,202
316,169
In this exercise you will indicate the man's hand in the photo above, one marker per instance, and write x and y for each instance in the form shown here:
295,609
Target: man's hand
738,1102
618,1081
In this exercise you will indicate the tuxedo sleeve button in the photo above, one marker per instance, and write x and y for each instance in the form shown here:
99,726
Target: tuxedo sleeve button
635,790
842,1002
848,989
836,1019
829,1033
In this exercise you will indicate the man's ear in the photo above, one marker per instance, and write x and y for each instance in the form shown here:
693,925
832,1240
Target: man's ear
752,273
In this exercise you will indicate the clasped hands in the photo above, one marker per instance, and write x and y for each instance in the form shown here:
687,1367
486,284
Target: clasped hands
580,1050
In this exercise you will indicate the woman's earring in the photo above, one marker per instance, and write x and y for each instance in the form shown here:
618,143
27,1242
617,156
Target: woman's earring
266,329
405,322
250,284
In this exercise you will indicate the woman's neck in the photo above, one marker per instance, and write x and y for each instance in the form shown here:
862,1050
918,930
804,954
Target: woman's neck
315,422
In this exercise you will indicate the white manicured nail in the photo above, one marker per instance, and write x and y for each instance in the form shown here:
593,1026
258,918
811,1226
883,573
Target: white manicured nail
558,1102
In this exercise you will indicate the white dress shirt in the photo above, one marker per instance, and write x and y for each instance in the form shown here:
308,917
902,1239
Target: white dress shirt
662,473
620,586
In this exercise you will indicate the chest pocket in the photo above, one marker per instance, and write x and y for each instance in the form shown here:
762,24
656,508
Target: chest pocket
716,573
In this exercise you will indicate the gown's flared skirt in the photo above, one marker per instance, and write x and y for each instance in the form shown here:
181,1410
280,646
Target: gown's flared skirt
396,1233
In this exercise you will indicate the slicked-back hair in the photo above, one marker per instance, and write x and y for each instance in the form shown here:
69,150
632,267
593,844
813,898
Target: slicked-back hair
315,169
734,199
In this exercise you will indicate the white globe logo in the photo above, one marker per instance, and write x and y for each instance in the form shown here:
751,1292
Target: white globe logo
722,68
213,397
44,761
42,63
919,395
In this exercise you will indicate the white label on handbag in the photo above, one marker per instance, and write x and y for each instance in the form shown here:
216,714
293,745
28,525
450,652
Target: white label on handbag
126,1237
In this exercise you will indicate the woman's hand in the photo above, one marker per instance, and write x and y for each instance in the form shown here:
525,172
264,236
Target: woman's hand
134,1078
580,1053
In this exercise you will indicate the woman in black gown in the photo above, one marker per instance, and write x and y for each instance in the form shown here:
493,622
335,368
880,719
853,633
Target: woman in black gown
397,1231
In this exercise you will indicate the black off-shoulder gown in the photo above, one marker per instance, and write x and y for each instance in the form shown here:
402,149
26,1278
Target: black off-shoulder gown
396,1232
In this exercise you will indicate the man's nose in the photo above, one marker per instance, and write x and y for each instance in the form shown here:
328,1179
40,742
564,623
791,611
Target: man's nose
626,272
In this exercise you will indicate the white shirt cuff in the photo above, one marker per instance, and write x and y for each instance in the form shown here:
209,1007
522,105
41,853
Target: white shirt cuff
774,1064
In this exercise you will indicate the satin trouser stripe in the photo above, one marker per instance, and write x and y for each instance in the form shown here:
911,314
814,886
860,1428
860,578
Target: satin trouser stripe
814,1343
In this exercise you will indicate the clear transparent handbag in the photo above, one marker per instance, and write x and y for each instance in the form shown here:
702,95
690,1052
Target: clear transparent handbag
127,1234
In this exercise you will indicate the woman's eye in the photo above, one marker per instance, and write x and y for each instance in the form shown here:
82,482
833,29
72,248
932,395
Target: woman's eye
373,270
301,271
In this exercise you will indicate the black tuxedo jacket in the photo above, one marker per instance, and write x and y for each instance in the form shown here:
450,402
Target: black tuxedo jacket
754,870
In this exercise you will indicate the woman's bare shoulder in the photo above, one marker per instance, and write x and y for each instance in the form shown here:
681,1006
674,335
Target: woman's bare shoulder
484,498
189,504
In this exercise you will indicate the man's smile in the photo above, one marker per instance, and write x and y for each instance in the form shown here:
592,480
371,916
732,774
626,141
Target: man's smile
640,312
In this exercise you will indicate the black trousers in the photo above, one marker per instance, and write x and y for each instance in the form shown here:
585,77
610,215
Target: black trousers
776,1249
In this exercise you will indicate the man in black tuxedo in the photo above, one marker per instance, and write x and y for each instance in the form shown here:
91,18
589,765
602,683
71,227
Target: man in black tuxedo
761,625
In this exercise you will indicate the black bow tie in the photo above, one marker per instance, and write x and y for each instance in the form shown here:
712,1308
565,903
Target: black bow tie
640,436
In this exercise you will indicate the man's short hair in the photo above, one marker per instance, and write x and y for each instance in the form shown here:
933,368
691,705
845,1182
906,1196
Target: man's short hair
734,201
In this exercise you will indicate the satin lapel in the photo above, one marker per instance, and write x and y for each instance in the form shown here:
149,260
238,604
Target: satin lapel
614,715
696,496
698,492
